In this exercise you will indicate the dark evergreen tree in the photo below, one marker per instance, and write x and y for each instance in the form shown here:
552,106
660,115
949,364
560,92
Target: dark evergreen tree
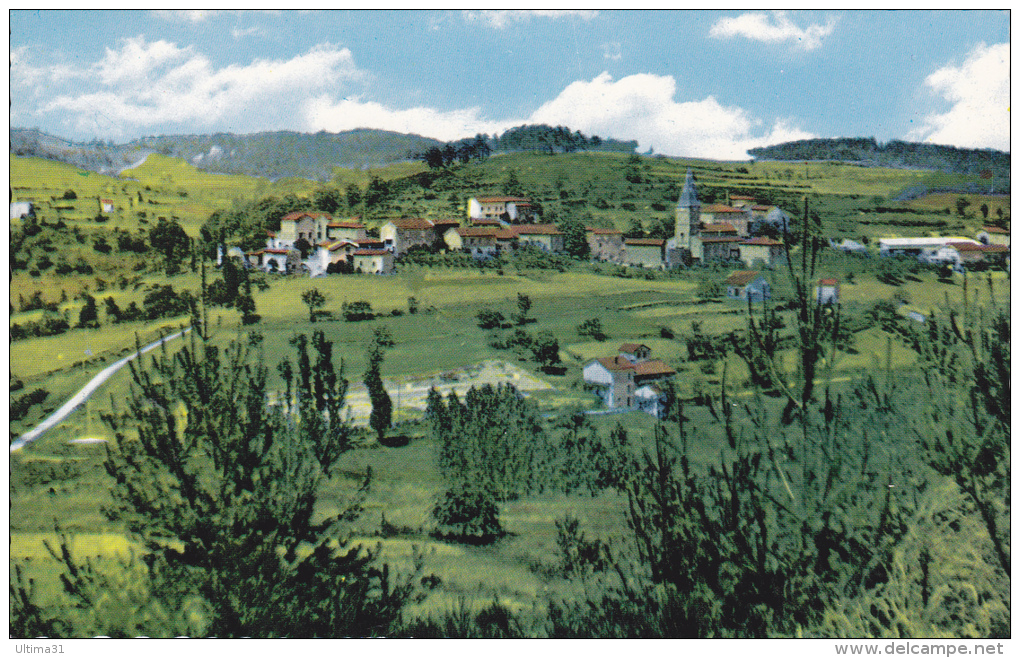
382,407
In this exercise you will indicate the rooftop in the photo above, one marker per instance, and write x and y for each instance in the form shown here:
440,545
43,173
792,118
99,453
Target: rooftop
719,228
502,199
742,278
718,208
412,224
371,252
644,242
602,231
764,242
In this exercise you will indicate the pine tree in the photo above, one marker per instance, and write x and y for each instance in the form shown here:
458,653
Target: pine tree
382,407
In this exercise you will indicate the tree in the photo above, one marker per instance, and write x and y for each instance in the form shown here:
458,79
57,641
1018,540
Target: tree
961,206
352,193
303,246
89,314
592,328
113,311
513,185
314,300
523,306
546,349
327,199
220,490
170,240
412,305
382,407
490,319
575,237
634,229
984,210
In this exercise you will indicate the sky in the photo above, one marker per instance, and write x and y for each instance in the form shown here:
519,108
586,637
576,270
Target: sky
706,84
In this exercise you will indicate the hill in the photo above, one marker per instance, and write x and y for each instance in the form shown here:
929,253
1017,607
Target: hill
991,165
272,155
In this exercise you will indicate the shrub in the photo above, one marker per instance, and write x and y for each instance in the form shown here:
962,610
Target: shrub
490,319
357,311
468,515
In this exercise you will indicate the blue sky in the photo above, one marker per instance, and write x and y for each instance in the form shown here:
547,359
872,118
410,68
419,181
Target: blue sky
685,83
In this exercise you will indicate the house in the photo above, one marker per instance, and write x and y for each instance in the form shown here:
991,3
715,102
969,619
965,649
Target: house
494,223
399,235
993,235
634,352
21,209
479,241
764,250
509,208
106,205
748,285
309,226
350,229
971,254
709,248
717,213
848,246
827,292
741,201
372,261
440,227
619,380
718,230
645,252
275,260
332,252
605,244
613,380
544,236
916,246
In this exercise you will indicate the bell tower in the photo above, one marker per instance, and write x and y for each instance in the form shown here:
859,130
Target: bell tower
688,214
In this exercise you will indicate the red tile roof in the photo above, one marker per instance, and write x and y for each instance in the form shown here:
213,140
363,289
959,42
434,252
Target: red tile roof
341,244
275,251
298,214
502,199
536,229
764,242
412,224
477,231
486,222
742,278
720,208
651,368
355,225
644,242
719,228
719,239
615,363
762,208
505,234
988,248
828,282
371,252
631,348
741,198
995,229
602,231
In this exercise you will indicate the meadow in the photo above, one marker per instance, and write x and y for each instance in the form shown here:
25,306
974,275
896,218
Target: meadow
53,479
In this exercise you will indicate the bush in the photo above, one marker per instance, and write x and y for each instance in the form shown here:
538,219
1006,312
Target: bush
468,515
357,311
592,328
490,319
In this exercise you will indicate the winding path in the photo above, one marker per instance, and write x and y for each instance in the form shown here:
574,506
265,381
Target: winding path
85,393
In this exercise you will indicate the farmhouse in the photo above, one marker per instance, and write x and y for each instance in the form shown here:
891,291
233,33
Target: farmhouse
544,236
275,260
605,244
717,213
748,285
106,205
373,261
628,380
645,252
399,235
479,241
708,248
916,246
351,229
21,209
331,252
764,250
970,254
508,208
309,226
993,235
827,292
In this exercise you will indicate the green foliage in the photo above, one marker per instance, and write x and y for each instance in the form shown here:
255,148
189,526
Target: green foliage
314,300
199,457
546,349
490,319
523,308
89,314
20,406
356,311
381,416
467,514
592,328
170,240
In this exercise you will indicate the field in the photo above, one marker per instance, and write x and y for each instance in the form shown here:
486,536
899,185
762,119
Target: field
441,343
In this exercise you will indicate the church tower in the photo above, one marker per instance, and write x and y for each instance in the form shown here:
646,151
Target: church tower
688,214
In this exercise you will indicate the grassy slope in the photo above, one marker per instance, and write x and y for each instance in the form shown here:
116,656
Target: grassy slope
406,482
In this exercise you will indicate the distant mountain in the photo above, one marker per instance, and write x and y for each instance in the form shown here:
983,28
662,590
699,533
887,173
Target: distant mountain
271,155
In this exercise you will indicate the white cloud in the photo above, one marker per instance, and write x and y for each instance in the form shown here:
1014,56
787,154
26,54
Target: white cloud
644,107
502,18
142,85
774,28
322,113
186,15
254,31
979,92
612,51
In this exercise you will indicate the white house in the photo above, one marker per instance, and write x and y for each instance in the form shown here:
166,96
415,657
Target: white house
748,285
827,292
494,207
106,205
21,209
916,246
